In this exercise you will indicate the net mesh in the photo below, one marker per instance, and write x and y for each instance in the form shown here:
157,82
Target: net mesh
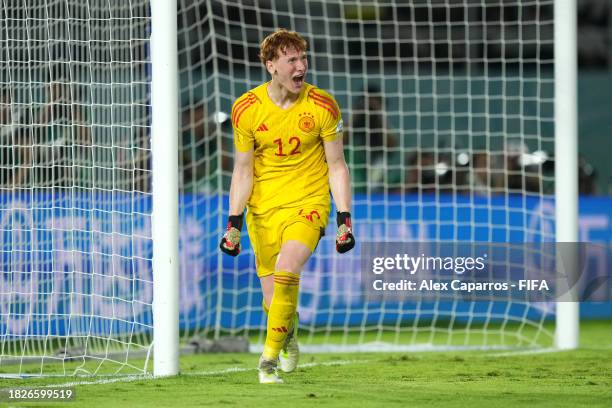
448,113
75,283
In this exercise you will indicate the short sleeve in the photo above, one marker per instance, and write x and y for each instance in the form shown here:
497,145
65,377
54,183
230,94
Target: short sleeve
331,124
241,122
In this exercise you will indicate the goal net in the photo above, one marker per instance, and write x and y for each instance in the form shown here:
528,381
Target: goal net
448,117
448,113
75,205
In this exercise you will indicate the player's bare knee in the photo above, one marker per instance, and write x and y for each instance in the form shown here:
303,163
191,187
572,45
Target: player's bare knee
289,265
292,257
289,262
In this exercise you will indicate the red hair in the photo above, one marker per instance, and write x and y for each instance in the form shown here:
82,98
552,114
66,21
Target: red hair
278,42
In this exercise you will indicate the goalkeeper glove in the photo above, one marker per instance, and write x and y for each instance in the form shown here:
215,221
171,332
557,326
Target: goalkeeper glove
345,241
230,243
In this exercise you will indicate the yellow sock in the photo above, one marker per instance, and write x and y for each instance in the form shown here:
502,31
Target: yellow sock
266,310
282,309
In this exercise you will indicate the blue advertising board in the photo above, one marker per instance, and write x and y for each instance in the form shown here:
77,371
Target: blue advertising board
82,262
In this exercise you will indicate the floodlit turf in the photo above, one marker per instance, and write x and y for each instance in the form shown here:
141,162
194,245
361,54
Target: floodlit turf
458,379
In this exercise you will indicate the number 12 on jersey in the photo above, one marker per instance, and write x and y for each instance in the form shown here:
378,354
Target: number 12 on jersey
294,142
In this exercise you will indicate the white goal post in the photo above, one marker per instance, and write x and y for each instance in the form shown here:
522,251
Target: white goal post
454,111
88,198
566,154
164,149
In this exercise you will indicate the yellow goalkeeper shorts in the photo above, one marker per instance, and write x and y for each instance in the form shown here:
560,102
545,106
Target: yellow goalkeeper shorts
269,231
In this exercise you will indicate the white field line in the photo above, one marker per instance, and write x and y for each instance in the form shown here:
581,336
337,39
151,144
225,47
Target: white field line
128,378
538,351
305,365
524,352
132,378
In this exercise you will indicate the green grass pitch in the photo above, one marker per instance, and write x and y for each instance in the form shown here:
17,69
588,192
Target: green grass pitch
435,379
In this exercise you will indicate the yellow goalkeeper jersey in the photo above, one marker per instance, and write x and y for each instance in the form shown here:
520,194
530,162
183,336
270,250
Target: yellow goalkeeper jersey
289,158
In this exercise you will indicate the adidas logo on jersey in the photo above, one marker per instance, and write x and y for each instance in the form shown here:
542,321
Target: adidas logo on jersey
262,128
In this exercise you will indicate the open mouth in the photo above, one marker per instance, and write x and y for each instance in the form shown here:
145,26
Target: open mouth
298,80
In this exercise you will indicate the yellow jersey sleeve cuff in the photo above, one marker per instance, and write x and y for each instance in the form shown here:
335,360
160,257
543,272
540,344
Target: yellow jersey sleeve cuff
331,137
243,147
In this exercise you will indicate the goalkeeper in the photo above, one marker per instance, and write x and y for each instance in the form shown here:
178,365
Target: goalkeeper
288,156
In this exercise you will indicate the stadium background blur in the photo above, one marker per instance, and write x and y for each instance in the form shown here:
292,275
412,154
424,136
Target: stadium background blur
493,156
428,167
